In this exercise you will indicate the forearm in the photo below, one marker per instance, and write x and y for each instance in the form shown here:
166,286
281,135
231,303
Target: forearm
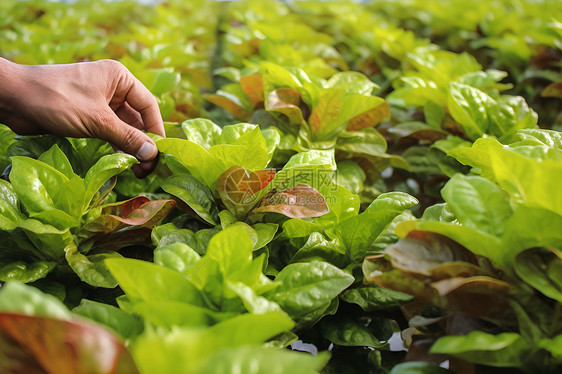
9,76
12,82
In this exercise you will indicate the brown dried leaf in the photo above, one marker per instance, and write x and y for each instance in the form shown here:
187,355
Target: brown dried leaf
300,201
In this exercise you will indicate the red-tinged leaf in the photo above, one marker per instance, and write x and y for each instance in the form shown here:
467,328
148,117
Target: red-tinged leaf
252,85
369,118
149,213
553,90
47,345
237,188
422,251
439,271
124,208
139,211
114,241
236,110
328,109
480,284
286,101
301,201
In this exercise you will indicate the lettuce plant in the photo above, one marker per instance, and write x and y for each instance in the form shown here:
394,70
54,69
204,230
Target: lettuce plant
489,255
218,168
50,216
338,113
222,298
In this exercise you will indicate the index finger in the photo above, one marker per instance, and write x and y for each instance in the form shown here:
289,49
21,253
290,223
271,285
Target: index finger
140,99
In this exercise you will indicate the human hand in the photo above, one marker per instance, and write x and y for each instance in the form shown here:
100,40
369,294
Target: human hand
100,99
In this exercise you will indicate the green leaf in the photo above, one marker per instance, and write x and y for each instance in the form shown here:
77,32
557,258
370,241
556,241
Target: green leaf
399,201
367,141
510,114
468,106
16,297
343,204
349,333
317,248
175,313
548,138
176,256
35,183
104,169
527,181
193,157
352,82
195,194
92,269
241,145
252,302
373,298
165,353
350,175
169,233
6,140
266,232
228,257
272,138
505,349
116,319
388,236
49,241
326,112
10,213
57,159
201,131
246,148
306,287
249,329
358,233
541,269
478,203
324,160
25,272
70,203
144,281
418,368
261,360
531,227
485,80
554,346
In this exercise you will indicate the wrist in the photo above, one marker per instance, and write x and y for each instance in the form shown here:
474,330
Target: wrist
11,82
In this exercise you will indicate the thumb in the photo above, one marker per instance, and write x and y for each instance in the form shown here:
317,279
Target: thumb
128,138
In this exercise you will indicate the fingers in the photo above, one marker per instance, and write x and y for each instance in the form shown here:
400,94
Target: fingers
130,116
111,128
140,99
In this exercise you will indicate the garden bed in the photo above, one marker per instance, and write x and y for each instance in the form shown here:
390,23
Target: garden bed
375,184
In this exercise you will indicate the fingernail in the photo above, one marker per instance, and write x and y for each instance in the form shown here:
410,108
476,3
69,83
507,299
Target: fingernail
146,152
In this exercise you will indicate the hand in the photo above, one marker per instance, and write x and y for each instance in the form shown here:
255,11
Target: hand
100,99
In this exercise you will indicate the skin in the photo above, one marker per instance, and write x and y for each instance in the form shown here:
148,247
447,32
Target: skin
99,99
